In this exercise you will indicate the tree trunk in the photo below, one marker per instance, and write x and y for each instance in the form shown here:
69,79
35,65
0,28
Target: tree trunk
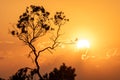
38,69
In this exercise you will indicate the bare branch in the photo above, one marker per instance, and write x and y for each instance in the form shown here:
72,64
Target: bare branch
55,43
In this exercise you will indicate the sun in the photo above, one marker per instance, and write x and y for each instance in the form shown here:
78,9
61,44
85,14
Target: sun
83,44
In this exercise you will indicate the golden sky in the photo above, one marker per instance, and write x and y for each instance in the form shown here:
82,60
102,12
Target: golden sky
95,20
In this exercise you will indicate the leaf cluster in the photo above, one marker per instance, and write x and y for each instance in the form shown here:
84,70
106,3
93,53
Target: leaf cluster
35,22
63,73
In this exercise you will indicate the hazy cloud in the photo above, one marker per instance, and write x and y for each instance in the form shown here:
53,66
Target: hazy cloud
1,58
111,52
0,41
9,42
6,42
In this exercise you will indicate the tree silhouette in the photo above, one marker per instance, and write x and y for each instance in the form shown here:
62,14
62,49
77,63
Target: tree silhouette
35,23
63,73
2,79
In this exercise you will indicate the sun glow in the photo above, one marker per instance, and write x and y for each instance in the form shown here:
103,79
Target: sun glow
83,44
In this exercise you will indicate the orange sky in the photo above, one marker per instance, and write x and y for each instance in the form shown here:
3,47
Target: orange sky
95,20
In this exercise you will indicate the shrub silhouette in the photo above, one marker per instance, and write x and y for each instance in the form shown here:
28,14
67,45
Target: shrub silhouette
63,73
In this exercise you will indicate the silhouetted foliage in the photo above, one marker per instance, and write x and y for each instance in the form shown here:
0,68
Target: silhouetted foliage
2,79
24,74
63,73
35,23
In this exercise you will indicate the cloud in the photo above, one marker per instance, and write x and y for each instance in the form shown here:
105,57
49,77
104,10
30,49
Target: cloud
7,45
111,52
9,42
0,41
1,58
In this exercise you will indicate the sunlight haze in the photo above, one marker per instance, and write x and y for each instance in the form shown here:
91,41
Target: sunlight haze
96,21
